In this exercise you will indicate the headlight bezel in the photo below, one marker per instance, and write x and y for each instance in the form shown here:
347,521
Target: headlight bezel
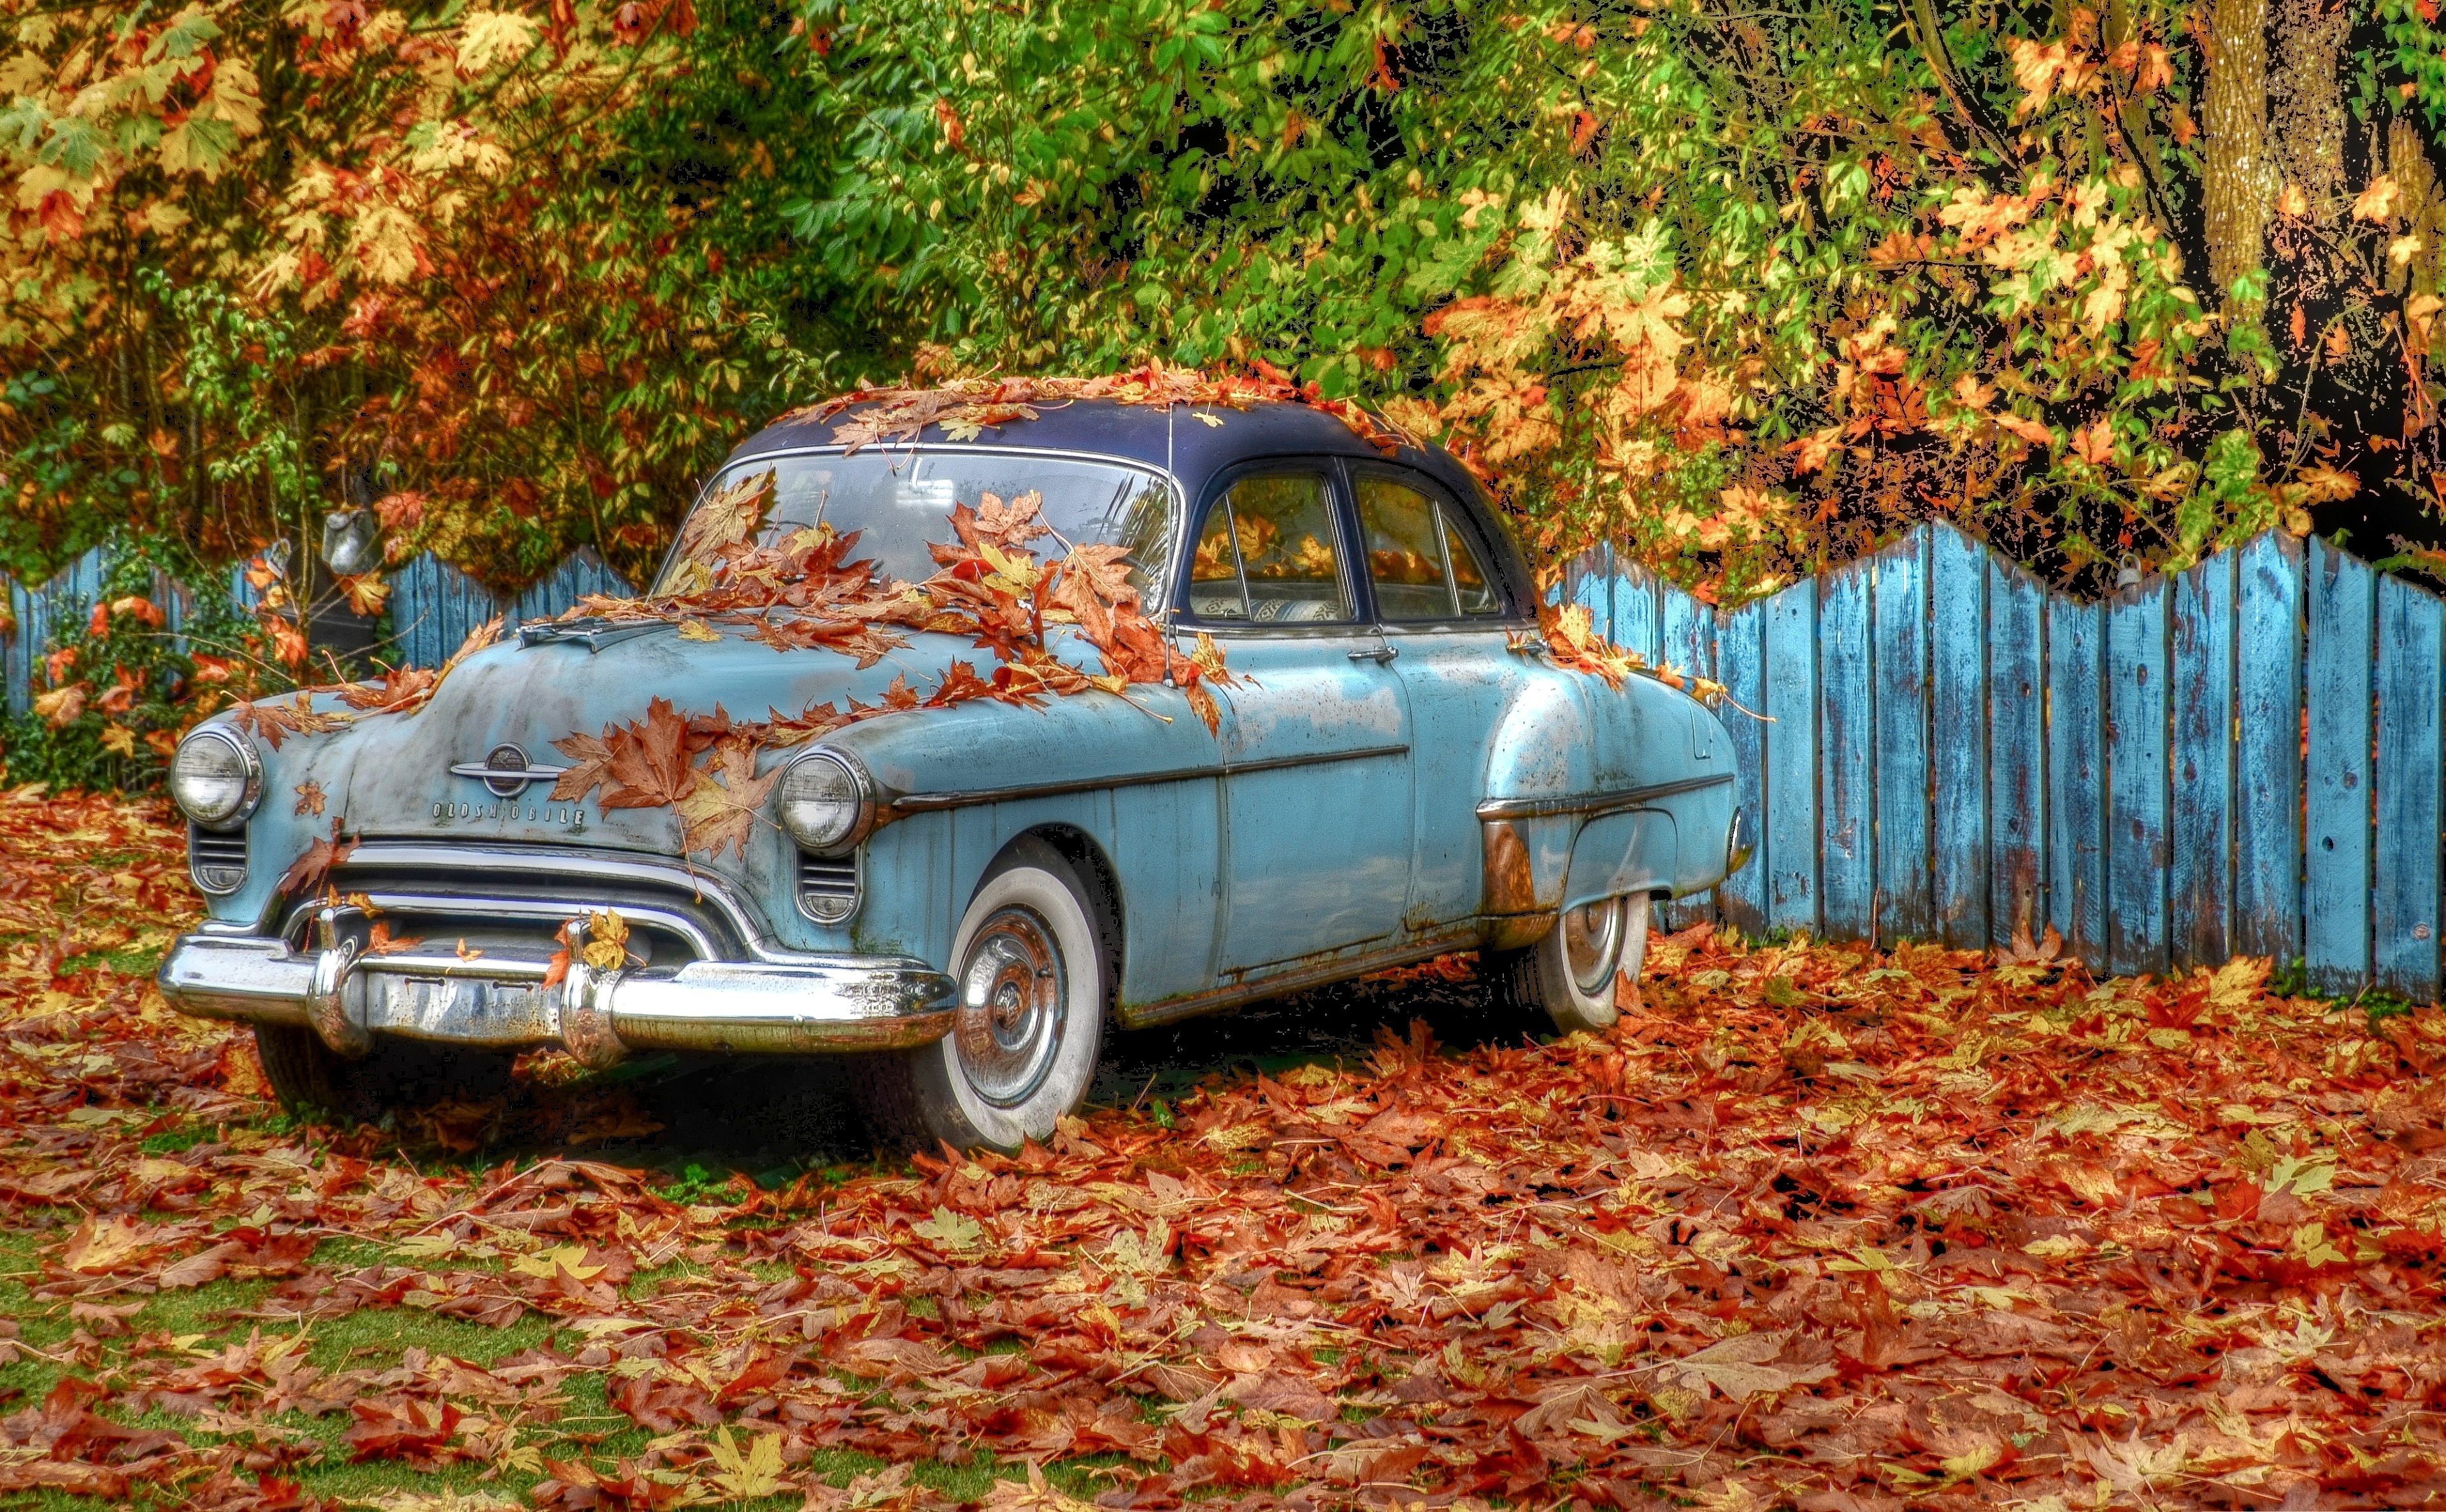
250,761
827,841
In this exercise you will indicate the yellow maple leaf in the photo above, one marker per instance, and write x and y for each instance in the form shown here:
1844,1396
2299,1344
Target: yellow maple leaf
383,239
488,38
2379,200
607,940
118,739
749,1476
550,1263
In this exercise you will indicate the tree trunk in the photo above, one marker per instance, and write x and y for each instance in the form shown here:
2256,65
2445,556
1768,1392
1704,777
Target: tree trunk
2239,193
2307,118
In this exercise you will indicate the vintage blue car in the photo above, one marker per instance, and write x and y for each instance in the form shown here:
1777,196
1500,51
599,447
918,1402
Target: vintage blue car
967,897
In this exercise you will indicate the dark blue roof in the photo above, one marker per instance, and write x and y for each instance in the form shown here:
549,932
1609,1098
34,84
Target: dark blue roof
1192,450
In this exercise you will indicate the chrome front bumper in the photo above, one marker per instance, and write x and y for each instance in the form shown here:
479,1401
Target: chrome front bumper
807,1005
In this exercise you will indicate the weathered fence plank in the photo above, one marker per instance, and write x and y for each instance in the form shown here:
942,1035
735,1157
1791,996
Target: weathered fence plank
2016,754
52,610
2411,761
2136,769
1957,675
2336,869
2268,749
1589,583
2200,892
1846,731
2077,779
1906,908
579,574
1793,833
1686,644
1741,666
1636,611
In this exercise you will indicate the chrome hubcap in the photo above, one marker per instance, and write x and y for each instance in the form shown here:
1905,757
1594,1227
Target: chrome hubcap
1592,945
1013,995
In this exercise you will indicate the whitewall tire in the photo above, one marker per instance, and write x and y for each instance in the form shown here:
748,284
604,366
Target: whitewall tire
1034,979
1571,973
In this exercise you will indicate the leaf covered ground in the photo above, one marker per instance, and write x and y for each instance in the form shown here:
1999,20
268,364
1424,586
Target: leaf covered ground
1813,1227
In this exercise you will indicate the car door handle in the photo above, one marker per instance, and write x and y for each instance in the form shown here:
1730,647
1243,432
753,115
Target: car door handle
1379,655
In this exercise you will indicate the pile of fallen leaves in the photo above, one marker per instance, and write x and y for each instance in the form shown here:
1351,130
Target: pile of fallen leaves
1815,1226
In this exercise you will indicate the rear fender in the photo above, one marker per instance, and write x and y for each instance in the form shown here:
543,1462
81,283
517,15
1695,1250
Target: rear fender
1622,853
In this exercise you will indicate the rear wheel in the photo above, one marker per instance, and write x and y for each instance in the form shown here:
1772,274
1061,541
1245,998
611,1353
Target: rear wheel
1571,973
305,1074
1034,981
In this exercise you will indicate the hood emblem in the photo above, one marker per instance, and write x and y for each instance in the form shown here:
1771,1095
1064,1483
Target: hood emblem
505,771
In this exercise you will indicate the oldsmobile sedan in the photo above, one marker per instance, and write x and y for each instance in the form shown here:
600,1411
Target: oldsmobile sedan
970,895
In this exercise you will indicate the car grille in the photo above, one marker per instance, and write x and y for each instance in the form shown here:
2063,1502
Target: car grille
216,860
827,886
519,901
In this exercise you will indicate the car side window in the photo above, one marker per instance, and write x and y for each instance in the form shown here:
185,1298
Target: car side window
1418,558
1266,555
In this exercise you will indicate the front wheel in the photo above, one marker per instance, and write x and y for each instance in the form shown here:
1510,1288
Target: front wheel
1034,979
1571,973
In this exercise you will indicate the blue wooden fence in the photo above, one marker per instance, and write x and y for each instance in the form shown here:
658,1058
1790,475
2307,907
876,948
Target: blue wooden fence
2249,758
432,608
2244,758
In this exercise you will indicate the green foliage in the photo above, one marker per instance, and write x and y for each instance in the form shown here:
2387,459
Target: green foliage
116,690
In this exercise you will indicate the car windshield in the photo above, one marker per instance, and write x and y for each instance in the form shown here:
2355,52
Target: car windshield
900,501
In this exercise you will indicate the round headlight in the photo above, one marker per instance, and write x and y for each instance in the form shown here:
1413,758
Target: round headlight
216,778
826,802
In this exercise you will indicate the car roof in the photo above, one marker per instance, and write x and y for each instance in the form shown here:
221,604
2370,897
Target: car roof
1192,450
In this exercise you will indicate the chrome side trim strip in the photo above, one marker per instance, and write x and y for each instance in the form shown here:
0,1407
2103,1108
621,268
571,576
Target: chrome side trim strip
929,802
1594,804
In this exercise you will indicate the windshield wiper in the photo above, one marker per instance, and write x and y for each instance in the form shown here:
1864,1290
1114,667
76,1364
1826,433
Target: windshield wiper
592,632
